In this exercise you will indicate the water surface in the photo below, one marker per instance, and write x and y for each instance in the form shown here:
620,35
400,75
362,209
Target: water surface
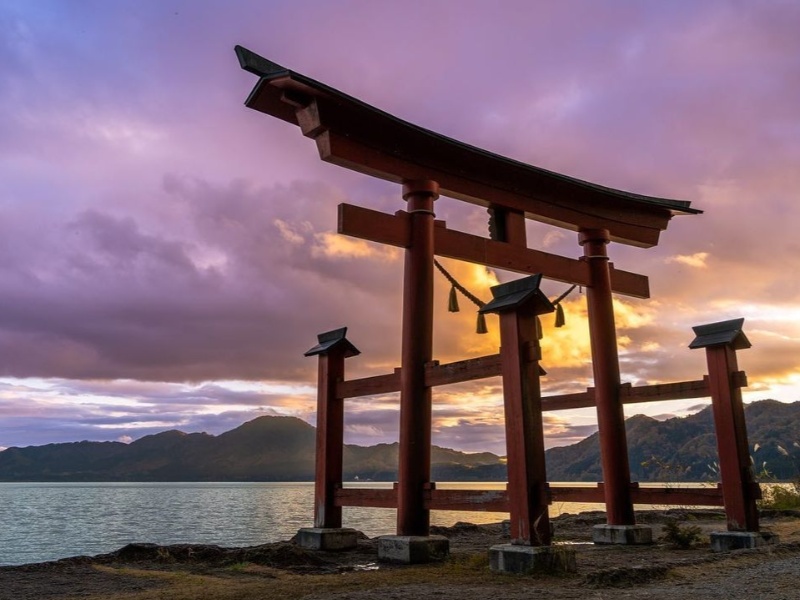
48,521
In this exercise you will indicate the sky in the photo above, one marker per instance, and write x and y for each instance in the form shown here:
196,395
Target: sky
167,255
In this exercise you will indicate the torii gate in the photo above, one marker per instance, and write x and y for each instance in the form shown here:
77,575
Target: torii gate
360,137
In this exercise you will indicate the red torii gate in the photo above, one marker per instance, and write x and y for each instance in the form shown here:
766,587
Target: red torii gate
355,135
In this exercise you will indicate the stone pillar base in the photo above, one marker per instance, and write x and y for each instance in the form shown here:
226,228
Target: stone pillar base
629,535
510,558
725,541
412,549
331,539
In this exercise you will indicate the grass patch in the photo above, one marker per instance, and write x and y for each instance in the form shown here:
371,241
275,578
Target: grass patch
781,496
243,581
680,536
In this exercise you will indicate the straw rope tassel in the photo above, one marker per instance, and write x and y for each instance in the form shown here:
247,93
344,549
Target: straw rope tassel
452,301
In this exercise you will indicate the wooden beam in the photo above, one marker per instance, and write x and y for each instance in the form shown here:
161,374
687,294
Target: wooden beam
659,392
678,496
470,500
382,498
462,370
435,374
373,225
497,500
383,228
360,137
369,386
489,366
568,401
537,196
681,390
711,496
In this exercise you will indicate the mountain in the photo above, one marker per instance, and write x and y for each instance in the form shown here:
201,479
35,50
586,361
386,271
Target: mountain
282,449
684,448
264,449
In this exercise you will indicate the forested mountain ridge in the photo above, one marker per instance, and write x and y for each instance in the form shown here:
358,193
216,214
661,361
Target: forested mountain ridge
684,449
282,449
264,449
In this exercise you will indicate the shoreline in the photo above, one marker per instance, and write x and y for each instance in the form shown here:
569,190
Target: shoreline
284,570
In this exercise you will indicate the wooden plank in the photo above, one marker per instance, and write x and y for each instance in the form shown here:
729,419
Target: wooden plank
577,494
462,370
678,496
629,394
497,500
680,390
638,286
501,255
568,401
383,228
368,386
375,498
470,500
711,496
373,225
489,366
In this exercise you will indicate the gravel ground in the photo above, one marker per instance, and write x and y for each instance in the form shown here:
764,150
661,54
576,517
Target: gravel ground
657,571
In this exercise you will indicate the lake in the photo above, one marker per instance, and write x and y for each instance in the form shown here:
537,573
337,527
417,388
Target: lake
48,521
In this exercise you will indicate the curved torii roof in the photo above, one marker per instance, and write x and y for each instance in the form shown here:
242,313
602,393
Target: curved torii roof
353,134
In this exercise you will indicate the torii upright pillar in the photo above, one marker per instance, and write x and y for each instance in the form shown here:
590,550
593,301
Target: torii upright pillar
740,490
518,304
621,524
332,349
413,544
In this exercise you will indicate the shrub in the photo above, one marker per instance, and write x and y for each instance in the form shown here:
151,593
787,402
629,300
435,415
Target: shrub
681,536
781,497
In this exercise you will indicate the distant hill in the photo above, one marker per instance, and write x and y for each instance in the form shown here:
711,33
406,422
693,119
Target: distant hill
264,449
684,449
282,449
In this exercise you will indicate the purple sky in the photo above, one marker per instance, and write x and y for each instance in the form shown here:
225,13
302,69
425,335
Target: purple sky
167,255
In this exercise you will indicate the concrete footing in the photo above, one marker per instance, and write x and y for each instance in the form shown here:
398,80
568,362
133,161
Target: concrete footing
331,539
725,541
510,558
622,534
412,549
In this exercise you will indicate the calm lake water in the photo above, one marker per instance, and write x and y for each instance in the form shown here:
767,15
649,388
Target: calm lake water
48,521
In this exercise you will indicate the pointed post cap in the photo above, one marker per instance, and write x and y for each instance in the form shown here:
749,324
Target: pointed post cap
514,294
334,340
720,334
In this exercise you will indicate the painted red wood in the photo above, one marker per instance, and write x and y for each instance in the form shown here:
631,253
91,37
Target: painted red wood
368,386
463,370
732,445
383,228
605,365
468,500
366,497
344,151
414,467
330,439
527,475
497,500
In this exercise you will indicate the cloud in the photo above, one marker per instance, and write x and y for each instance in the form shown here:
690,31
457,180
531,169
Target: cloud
155,233
696,260
46,411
